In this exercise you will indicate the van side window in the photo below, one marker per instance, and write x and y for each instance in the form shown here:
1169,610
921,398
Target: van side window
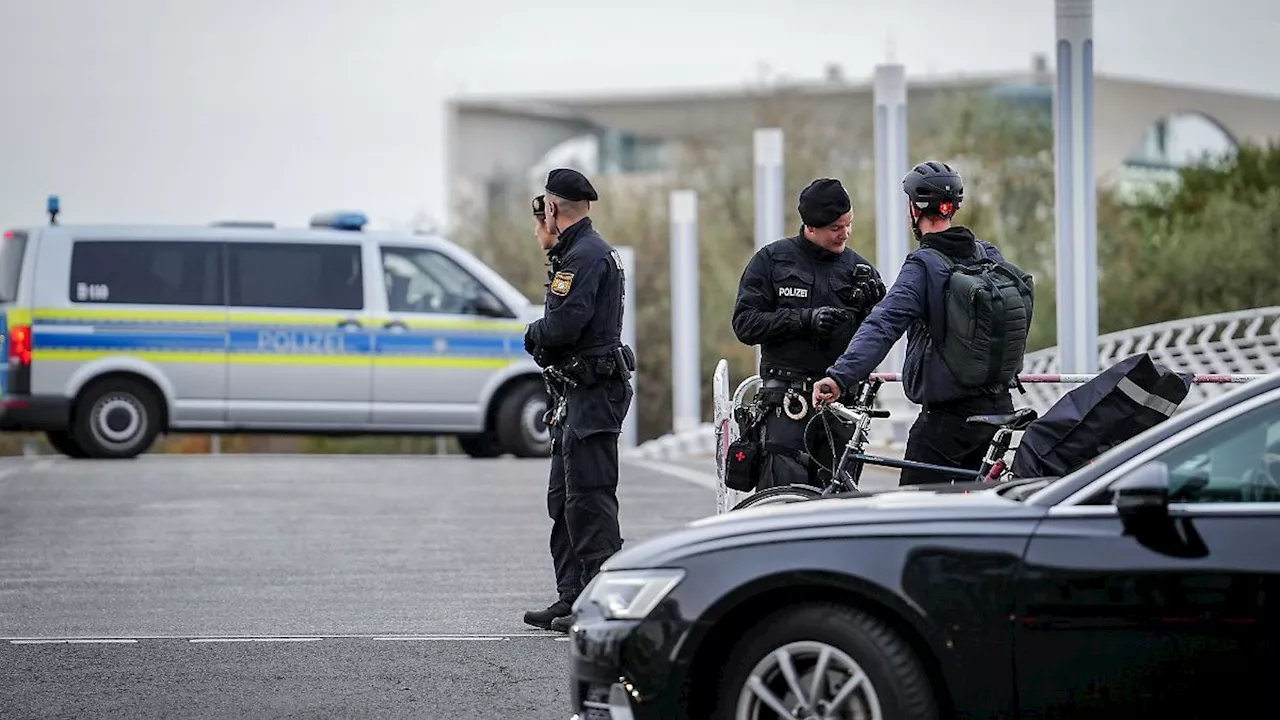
146,272
426,281
296,275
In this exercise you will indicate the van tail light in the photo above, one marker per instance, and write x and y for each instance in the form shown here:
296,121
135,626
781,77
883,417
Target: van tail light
20,345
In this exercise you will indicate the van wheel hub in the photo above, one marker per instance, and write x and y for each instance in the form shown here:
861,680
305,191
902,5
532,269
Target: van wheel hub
532,421
118,419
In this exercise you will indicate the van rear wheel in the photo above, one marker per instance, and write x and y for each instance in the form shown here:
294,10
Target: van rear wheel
64,442
116,418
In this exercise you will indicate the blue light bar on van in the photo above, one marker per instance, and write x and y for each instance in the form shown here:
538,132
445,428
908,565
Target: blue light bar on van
340,220
53,206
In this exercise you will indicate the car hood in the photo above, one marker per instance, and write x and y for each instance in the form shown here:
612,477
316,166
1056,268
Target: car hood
878,513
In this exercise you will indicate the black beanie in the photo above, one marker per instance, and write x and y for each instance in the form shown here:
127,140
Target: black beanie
823,202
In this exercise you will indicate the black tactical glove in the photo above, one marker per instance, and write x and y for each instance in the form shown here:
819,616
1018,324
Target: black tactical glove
529,347
823,320
873,291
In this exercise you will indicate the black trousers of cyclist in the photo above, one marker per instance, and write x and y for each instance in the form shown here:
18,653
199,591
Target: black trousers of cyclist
778,469
941,436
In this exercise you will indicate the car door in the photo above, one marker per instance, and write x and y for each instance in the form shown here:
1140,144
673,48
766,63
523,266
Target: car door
300,355
1176,623
443,341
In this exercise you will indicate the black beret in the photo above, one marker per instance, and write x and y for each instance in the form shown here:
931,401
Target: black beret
823,202
570,185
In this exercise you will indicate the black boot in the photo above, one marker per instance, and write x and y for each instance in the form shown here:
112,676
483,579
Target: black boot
562,624
545,618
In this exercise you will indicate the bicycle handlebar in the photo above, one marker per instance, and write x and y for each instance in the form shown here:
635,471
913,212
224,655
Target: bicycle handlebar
850,414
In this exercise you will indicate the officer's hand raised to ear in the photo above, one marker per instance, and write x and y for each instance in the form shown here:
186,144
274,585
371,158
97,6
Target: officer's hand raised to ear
824,319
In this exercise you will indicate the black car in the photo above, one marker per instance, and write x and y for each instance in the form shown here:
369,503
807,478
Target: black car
1138,586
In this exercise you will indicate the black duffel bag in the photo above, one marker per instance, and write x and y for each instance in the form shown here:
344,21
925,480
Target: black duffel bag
1132,396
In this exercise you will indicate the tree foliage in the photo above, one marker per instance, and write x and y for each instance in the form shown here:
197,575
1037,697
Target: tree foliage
1200,245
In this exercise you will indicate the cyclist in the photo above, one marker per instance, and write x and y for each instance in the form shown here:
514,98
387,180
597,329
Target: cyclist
951,374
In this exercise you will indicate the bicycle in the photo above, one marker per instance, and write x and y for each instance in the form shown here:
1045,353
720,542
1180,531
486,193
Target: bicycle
859,413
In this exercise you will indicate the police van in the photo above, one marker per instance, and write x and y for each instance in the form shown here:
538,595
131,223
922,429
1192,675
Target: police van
113,335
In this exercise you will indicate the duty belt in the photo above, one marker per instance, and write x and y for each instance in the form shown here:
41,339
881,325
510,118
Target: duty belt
791,396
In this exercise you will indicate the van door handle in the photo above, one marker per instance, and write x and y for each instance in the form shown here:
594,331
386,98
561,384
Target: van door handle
395,325
350,324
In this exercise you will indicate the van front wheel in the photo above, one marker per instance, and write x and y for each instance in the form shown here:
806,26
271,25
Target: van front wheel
116,418
519,421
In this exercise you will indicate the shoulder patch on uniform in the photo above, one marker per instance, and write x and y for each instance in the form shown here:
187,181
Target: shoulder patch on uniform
561,283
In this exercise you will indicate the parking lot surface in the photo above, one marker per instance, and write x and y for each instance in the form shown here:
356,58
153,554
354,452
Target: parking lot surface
286,586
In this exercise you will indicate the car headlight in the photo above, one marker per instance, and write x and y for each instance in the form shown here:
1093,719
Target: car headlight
631,594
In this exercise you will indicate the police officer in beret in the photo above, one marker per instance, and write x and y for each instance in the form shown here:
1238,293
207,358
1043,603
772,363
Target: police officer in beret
578,343
801,299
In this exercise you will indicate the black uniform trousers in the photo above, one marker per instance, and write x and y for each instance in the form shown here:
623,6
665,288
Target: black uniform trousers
941,435
582,497
780,432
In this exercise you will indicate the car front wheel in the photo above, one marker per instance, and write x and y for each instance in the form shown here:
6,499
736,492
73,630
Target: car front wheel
824,661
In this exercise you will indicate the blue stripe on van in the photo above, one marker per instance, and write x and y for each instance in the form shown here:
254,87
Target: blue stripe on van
281,341
125,341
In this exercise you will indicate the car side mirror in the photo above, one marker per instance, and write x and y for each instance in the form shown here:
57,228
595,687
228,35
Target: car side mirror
489,306
1141,498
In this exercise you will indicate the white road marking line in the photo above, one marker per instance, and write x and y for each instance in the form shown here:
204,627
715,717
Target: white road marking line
281,638
255,639
445,637
94,641
697,477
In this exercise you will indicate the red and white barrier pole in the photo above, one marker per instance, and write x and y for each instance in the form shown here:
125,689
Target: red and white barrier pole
1069,379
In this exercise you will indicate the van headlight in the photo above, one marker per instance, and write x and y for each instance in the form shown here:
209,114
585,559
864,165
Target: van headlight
632,594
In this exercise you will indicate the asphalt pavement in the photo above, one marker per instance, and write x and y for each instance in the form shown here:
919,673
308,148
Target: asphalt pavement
251,586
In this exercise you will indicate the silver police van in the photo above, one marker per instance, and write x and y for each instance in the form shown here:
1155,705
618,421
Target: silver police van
113,335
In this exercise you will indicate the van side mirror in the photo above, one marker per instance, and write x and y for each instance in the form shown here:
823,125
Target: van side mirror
1141,498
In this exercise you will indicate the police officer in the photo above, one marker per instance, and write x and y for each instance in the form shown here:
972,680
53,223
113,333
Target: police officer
800,299
916,305
588,370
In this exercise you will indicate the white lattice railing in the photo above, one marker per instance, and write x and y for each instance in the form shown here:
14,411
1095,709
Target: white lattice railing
1245,342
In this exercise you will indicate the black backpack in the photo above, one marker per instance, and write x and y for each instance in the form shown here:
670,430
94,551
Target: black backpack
987,306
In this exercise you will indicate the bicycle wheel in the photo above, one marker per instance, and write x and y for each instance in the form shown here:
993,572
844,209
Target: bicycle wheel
779,495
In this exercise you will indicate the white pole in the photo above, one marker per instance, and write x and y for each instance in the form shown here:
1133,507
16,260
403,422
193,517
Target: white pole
892,244
892,231
628,257
1076,202
768,186
686,390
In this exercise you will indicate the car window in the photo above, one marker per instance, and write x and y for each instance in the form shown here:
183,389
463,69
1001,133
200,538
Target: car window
1237,461
296,275
426,281
146,272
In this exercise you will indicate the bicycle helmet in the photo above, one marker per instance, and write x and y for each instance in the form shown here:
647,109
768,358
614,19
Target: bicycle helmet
932,188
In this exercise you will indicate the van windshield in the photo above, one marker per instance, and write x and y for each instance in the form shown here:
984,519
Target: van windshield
12,248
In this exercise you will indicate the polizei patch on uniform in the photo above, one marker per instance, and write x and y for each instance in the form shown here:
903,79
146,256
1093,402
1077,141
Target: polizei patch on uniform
561,283
793,292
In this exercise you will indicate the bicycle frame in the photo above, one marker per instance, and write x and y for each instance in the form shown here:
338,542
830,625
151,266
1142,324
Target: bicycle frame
860,413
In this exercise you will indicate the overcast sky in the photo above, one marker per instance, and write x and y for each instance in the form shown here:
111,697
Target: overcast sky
195,110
